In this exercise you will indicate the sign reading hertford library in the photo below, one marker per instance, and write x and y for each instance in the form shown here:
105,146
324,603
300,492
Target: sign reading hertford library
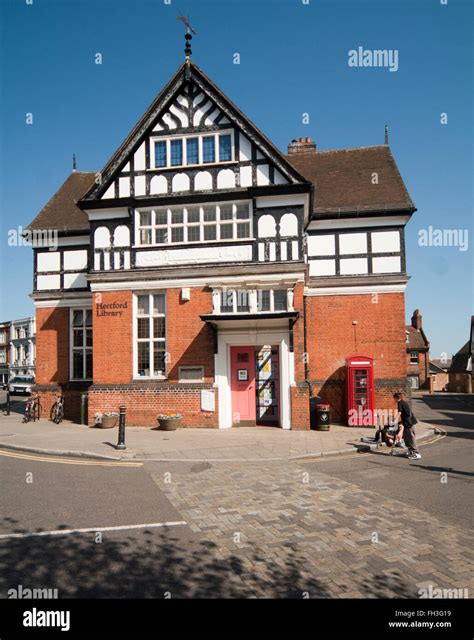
111,309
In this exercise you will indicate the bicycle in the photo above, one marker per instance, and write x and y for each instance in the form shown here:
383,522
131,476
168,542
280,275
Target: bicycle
57,410
32,410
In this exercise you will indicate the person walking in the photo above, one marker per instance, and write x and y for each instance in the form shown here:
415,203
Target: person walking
406,422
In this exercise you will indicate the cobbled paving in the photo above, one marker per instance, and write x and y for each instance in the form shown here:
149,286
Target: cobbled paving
282,531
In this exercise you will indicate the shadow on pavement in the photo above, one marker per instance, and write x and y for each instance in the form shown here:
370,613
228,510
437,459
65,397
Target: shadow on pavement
153,563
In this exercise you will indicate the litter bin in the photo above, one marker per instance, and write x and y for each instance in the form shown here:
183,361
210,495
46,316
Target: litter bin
313,403
320,416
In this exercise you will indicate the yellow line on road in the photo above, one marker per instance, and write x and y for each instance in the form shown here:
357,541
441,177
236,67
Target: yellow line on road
39,458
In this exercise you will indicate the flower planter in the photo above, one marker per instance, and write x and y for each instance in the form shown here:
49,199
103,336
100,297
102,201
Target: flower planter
108,422
168,424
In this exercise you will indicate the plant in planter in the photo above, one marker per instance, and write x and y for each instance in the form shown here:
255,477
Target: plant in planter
169,421
106,420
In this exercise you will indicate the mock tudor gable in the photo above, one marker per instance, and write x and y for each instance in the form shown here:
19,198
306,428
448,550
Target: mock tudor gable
206,272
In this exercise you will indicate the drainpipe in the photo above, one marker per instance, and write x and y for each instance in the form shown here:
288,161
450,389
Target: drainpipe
305,342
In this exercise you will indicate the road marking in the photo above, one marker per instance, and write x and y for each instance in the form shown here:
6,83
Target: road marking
38,458
64,532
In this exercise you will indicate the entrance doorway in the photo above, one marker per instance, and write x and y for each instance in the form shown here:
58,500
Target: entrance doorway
255,385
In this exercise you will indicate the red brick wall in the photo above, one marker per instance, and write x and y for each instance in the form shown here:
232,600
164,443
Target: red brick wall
52,345
189,342
112,338
52,363
421,369
331,338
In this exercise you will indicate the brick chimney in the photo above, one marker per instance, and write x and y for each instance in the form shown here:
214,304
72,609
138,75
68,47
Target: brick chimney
303,145
416,319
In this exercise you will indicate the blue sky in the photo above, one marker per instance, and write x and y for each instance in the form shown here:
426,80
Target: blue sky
294,59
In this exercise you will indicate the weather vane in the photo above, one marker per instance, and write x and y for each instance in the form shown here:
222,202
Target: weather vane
189,34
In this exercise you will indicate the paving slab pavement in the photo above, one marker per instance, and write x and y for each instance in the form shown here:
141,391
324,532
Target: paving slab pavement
147,443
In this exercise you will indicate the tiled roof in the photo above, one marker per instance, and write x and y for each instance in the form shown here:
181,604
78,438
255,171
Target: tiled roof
61,213
415,339
343,180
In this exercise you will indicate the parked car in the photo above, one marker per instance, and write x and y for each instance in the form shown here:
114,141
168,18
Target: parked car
21,384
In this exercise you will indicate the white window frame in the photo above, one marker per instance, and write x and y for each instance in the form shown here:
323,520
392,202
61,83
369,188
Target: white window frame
84,348
199,136
150,295
417,355
185,224
235,299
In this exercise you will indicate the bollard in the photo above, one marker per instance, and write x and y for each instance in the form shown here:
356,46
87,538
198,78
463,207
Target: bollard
8,401
121,433
83,408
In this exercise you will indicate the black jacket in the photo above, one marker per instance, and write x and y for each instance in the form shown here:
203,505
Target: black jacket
406,416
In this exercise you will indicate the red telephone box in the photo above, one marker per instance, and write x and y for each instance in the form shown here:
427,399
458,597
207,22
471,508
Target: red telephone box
360,391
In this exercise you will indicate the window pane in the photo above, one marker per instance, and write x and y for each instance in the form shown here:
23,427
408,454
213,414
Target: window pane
192,151
145,236
89,318
158,327
177,217
158,303
160,154
89,363
210,232
209,214
193,214
279,300
225,148
263,300
78,337
143,328
77,318
242,211
177,234
227,297
143,359
226,231
89,338
226,211
143,305
242,301
161,235
77,364
208,149
145,218
159,359
161,217
243,230
194,234
176,152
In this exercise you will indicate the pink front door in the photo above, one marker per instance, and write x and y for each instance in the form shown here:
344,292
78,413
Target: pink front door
242,371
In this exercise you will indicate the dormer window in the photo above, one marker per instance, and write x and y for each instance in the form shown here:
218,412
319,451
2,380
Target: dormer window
186,151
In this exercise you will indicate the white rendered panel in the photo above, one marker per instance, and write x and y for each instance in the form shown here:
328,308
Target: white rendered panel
226,179
75,260
110,193
140,185
124,187
74,280
245,176
390,264
245,149
139,158
193,255
322,267
48,282
48,261
263,174
385,242
352,243
321,245
353,266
